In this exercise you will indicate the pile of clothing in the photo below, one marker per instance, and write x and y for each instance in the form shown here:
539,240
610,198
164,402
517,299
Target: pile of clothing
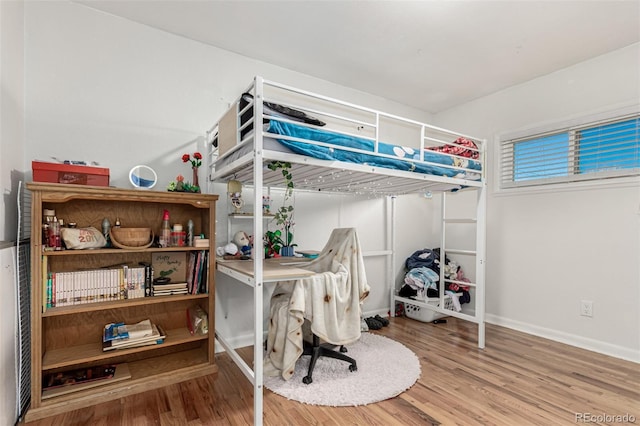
422,279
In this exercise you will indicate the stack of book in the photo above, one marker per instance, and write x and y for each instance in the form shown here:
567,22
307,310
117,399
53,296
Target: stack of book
125,336
169,289
64,382
111,283
197,272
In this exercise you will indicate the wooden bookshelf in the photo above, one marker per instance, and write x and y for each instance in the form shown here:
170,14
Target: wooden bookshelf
70,337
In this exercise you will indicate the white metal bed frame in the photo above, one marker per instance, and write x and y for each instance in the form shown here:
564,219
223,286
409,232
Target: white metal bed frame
312,174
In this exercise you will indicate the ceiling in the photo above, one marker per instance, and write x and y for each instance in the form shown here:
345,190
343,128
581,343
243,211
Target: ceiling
431,55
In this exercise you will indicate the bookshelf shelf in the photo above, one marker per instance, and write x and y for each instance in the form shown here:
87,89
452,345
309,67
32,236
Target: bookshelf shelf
158,371
101,306
70,337
92,352
103,251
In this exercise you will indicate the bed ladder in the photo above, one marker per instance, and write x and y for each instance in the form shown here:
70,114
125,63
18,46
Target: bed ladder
478,252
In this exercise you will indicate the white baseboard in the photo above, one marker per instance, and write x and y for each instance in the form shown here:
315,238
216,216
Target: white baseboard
547,333
615,351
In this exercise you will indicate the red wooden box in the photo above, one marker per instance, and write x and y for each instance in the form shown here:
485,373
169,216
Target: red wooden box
68,173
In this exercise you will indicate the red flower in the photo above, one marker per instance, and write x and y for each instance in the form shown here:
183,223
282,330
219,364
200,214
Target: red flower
195,162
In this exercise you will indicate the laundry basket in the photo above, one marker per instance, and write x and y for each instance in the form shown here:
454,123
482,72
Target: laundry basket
425,314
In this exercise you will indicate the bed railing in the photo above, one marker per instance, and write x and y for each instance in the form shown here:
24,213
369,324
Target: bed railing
346,119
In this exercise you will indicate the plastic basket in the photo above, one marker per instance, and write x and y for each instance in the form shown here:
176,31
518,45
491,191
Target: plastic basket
425,314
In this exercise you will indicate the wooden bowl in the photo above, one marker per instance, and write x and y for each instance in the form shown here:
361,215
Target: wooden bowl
131,238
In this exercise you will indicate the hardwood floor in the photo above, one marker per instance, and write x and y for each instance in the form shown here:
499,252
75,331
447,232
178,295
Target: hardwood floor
517,379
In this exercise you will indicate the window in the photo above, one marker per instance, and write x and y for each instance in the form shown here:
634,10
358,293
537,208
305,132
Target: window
599,150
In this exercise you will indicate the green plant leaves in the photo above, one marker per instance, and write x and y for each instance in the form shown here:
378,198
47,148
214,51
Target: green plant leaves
284,215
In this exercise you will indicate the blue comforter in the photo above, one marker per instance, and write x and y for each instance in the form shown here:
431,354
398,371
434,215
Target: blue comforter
403,158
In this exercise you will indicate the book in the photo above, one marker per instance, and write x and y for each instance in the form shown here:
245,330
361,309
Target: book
46,284
81,375
197,272
148,278
157,337
190,265
120,372
122,331
204,273
169,289
170,286
170,292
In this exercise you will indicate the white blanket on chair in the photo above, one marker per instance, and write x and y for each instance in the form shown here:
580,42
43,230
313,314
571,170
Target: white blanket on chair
330,300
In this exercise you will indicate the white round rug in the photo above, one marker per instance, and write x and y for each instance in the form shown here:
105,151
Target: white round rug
386,368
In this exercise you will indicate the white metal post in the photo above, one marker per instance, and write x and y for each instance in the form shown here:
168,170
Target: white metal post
443,252
391,261
481,238
258,254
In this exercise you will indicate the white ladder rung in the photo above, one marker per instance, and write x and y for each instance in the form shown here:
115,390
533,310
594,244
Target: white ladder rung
460,220
454,251
461,283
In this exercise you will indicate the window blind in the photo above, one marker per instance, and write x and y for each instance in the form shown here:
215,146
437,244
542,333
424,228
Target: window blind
599,150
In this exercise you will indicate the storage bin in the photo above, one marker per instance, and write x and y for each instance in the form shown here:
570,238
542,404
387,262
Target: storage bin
425,314
69,173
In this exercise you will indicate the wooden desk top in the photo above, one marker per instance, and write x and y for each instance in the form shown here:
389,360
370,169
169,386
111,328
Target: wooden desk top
279,268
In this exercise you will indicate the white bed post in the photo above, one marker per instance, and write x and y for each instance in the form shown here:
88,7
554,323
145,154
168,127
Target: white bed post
481,237
443,250
258,254
391,245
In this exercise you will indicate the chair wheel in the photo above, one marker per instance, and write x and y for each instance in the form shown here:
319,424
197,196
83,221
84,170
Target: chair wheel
353,368
306,380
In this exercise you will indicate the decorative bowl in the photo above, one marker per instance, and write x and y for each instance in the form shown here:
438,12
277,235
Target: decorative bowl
131,238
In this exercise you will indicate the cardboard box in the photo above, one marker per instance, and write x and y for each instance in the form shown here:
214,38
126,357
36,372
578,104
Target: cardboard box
228,130
68,173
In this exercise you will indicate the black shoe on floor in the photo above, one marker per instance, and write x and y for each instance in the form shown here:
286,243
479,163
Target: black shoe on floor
383,321
373,323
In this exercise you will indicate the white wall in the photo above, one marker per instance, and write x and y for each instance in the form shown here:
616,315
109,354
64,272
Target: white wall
11,113
105,89
11,171
547,250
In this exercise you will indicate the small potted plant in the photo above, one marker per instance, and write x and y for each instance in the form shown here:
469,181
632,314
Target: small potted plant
180,185
287,248
273,243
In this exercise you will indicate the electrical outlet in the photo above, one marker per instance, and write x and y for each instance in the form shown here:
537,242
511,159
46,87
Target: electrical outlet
586,308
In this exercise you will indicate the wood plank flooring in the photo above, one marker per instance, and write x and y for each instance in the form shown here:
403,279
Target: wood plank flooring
517,379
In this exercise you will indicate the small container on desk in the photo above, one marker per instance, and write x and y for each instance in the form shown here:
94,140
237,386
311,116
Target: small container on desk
69,173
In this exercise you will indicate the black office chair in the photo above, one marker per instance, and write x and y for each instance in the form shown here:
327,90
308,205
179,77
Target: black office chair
317,349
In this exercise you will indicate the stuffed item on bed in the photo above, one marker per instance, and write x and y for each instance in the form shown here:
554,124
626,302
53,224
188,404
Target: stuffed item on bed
330,300
458,148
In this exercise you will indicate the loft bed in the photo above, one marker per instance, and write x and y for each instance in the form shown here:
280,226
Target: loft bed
339,147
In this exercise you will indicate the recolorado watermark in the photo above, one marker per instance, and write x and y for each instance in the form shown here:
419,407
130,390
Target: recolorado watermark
605,418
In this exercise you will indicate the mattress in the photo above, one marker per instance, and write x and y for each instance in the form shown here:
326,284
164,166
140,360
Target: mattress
340,147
